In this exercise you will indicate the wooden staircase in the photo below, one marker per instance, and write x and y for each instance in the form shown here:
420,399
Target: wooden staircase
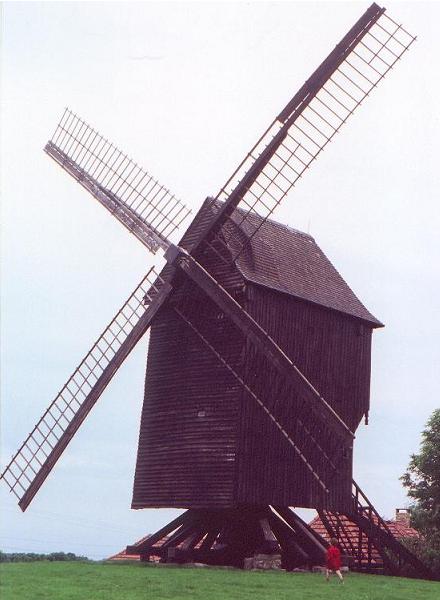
367,541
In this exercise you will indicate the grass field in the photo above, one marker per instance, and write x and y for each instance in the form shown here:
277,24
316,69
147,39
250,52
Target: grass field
104,581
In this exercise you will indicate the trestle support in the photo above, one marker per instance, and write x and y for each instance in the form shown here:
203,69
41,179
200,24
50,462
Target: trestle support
229,536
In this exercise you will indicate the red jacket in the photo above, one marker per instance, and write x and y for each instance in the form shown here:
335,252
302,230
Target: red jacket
333,558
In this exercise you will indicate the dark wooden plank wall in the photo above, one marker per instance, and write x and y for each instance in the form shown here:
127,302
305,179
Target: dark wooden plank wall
333,351
188,432
268,469
187,440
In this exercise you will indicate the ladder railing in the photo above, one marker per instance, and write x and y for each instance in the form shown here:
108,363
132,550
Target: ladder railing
364,508
393,552
343,535
41,449
365,536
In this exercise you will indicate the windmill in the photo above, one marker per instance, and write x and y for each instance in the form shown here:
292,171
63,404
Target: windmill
225,388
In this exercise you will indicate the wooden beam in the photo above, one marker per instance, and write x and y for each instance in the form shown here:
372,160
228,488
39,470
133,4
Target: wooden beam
288,540
385,541
315,545
145,545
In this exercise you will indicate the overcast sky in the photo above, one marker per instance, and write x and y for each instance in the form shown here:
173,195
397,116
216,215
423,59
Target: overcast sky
186,89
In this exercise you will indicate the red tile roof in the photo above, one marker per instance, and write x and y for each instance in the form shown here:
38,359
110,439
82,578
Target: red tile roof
402,530
122,555
398,529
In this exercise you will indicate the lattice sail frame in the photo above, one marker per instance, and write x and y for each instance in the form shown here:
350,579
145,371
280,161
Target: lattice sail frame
308,123
38,454
143,205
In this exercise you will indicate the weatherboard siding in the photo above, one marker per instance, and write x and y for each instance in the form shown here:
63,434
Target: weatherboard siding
333,351
187,441
204,441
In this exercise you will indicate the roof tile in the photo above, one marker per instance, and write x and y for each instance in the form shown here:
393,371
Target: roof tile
291,262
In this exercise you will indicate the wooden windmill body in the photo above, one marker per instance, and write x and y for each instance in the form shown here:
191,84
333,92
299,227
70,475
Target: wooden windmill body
201,436
259,361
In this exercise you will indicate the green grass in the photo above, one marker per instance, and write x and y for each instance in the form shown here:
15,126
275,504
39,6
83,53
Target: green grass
104,581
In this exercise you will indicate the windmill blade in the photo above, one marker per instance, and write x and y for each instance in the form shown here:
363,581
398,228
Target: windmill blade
144,206
307,124
38,454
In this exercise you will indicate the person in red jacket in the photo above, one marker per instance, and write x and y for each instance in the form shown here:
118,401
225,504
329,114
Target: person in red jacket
333,560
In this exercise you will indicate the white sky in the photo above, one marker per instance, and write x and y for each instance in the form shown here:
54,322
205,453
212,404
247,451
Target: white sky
185,89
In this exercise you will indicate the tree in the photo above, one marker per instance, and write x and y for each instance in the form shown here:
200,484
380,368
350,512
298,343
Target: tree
422,480
33,557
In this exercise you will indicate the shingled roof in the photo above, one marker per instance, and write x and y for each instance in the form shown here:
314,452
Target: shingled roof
291,262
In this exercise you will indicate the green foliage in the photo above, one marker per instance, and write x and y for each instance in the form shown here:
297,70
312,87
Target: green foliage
422,480
98,581
33,557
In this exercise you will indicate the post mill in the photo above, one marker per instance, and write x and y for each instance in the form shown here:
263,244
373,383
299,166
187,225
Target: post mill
258,366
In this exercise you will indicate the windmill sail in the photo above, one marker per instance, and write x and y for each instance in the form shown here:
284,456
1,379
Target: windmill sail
38,454
144,206
309,122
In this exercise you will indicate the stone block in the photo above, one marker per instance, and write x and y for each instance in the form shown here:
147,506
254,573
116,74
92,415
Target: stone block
263,562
